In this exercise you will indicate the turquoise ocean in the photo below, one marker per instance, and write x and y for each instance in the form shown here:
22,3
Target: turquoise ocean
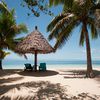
19,64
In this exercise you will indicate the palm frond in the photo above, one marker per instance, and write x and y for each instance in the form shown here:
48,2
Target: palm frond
9,29
97,18
3,54
91,23
60,26
51,2
22,28
18,29
65,34
58,2
82,36
3,8
55,2
54,21
14,31
94,32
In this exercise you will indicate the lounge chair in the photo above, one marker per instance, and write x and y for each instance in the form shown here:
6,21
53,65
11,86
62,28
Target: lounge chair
28,67
42,67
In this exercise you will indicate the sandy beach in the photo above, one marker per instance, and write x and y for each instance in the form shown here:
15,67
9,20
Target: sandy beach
54,84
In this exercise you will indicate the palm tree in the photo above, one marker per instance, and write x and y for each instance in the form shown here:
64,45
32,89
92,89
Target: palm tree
8,32
78,13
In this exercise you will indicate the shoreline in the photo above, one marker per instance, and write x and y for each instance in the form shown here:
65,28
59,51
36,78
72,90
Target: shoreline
56,66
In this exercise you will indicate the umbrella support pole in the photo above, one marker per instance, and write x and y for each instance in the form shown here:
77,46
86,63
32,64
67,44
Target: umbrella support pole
35,62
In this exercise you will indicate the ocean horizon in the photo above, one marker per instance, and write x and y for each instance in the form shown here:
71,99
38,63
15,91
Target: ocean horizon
19,64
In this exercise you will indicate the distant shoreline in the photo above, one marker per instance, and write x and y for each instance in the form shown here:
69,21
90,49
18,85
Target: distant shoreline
49,62
53,66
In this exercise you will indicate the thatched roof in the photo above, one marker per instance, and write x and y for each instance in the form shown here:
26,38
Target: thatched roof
34,42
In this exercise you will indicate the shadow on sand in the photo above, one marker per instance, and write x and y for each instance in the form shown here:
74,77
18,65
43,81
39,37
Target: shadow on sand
9,80
42,90
38,73
7,72
78,73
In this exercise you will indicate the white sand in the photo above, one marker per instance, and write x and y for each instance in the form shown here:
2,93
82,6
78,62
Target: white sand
55,84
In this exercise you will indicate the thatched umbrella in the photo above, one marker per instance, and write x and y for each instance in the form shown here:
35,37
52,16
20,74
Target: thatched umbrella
34,43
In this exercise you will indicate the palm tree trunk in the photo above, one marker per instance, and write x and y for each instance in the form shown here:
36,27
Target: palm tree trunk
0,64
88,51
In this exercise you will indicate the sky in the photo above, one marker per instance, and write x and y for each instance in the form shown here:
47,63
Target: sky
70,51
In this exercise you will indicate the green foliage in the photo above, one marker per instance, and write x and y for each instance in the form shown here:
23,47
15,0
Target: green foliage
3,8
3,54
8,32
82,36
75,12
54,21
65,34
68,3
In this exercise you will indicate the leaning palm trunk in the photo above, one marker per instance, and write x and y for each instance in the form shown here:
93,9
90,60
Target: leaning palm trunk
88,51
0,64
